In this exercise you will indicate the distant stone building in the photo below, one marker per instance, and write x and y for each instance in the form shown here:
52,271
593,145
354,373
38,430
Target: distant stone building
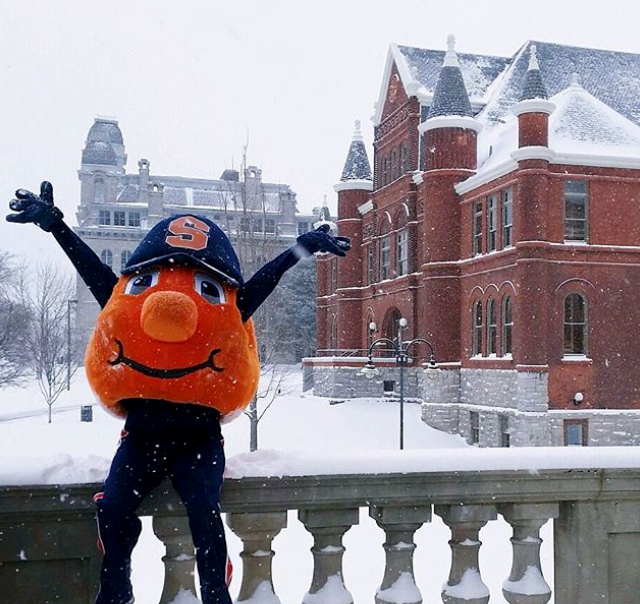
502,222
118,208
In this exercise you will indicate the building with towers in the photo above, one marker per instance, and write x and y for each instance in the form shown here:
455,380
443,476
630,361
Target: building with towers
502,221
118,208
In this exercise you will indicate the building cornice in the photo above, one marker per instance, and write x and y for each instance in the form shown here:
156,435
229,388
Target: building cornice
450,121
533,152
473,182
353,185
365,208
533,106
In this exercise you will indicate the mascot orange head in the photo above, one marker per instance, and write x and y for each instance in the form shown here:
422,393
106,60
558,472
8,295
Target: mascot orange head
172,329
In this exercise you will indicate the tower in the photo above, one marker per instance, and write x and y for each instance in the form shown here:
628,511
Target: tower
449,143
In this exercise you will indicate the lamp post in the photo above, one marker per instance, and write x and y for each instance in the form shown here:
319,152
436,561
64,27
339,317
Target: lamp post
69,304
401,350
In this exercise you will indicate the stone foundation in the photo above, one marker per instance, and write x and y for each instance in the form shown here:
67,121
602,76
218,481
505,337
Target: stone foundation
511,406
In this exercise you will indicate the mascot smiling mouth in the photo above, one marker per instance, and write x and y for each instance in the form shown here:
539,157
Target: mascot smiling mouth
166,374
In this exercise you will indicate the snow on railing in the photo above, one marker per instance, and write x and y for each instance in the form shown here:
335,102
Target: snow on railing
595,511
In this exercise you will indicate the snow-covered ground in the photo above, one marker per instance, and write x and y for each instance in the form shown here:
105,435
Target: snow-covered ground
298,429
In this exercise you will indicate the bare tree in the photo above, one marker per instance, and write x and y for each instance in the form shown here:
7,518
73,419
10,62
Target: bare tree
47,339
271,387
14,323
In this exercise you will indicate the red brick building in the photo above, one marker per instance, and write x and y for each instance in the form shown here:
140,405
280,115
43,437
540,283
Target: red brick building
502,220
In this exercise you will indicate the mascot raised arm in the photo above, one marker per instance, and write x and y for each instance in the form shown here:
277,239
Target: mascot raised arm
174,353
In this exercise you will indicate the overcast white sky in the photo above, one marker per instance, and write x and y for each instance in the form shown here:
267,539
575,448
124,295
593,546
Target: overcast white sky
187,80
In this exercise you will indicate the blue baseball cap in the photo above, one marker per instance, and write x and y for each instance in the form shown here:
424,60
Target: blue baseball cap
188,239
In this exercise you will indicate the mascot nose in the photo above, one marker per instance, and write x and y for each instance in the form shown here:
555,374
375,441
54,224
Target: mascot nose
169,316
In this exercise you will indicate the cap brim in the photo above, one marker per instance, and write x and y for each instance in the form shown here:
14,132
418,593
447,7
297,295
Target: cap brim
181,258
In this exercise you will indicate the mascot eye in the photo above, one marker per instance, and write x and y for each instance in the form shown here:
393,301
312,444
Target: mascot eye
209,289
141,283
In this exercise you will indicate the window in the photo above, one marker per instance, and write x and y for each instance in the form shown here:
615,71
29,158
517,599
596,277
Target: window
575,325
575,211
507,218
402,253
394,164
119,218
371,264
492,223
104,217
270,226
476,346
124,258
245,224
507,326
99,191
385,170
505,435
303,227
134,219
492,328
477,228
107,258
404,166
576,432
474,421
385,257
333,333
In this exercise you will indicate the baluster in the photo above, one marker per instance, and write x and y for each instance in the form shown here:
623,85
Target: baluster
526,584
179,559
399,524
328,528
465,585
257,531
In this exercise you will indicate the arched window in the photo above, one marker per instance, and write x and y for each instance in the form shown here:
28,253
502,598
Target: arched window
575,324
476,336
124,258
492,327
99,190
391,325
507,326
107,258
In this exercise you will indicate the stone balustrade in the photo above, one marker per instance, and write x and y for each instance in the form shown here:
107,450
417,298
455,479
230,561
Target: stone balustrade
596,515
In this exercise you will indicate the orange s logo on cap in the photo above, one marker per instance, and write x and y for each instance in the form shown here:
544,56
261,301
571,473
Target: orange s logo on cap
188,232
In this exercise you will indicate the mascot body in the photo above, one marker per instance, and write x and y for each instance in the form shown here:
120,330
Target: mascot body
174,353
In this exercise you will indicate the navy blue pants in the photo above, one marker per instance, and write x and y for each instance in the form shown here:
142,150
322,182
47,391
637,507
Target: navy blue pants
162,439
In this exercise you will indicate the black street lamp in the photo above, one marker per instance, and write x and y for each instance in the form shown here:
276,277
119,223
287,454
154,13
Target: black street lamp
69,303
401,350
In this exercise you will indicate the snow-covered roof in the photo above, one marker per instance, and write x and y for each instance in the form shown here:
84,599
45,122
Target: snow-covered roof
495,84
582,130
478,71
610,76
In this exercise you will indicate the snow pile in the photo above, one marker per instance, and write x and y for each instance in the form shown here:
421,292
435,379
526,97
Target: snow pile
185,597
332,592
470,587
262,595
402,591
532,583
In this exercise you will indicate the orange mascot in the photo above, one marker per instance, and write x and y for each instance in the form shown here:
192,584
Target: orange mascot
174,353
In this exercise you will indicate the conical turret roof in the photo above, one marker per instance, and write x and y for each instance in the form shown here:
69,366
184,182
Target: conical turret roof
357,166
450,96
533,87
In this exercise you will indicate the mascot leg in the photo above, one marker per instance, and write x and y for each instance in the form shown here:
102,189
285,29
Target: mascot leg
133,475
197,476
